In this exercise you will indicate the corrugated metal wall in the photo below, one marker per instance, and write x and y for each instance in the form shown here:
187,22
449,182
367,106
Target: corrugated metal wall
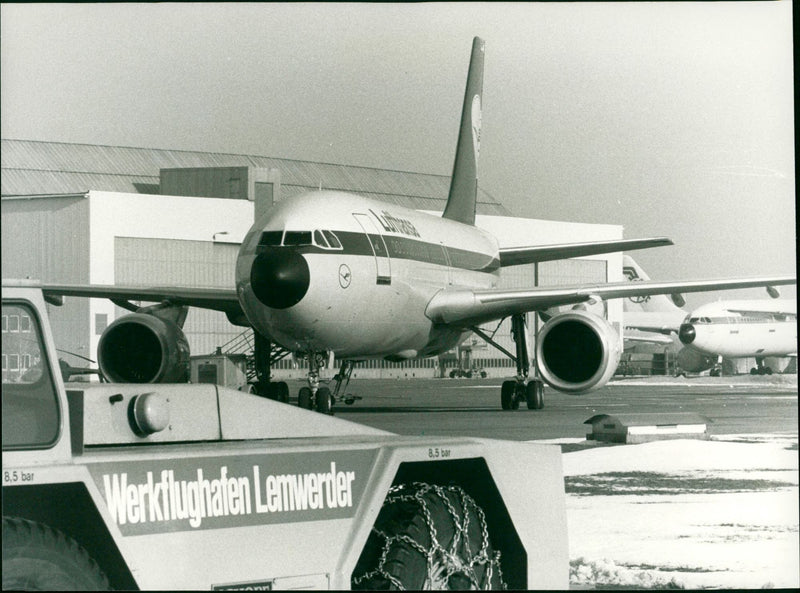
47,239
171,262
34,167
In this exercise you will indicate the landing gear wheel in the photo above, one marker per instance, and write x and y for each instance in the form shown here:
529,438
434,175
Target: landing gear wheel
519,395
282,392
428,537
39,558
507,394
534,395
324,403
304,398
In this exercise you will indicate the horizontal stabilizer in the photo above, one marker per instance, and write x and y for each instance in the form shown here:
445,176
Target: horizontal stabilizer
514,256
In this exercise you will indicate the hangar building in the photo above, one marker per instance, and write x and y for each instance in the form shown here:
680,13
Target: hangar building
78,213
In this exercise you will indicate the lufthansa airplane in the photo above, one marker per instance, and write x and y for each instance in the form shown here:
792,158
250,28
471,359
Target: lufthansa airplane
755,328
331,272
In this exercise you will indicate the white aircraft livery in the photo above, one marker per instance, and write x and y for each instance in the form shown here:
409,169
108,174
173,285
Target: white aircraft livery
330,272
739,329
731,329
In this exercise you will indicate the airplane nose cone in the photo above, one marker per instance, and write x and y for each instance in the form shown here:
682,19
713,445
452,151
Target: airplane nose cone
687,333
279,278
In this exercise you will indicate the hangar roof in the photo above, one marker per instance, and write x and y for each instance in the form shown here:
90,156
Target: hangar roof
32,167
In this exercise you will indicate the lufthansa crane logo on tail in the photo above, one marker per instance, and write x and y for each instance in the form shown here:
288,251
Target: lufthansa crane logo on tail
633,276
476,126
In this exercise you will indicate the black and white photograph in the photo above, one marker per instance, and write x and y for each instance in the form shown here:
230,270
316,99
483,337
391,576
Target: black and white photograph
459,295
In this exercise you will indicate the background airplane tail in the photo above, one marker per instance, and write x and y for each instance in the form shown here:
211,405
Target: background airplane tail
464,184
657,303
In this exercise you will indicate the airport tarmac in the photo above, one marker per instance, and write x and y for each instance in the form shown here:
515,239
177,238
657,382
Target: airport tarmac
471,407
718,513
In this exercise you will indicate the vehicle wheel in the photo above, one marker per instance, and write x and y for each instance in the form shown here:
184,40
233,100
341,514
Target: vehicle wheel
282,392
507,394
519,395
468,374
304,398
534,395
768,370
754,371
452,374
483,374
428,537
324,400
39,558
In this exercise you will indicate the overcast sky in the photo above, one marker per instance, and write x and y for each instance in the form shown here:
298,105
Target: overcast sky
670,119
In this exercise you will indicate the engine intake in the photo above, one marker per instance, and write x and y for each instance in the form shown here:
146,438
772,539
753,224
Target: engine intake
143,348
577,352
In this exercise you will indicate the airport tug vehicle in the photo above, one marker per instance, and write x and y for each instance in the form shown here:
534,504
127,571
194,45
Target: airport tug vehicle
155,486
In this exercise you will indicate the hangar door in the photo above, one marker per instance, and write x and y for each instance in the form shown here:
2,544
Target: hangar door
172,262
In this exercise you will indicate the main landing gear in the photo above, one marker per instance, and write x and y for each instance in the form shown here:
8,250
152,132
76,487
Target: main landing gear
760,368
263,357
514,391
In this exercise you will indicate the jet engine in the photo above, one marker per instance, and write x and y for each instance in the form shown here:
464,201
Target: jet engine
577,351
691,361
144,348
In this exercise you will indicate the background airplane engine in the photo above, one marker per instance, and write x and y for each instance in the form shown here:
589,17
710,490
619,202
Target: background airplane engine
577,352
143,348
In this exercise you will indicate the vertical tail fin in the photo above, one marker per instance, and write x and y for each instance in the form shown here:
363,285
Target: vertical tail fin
653,303
464,184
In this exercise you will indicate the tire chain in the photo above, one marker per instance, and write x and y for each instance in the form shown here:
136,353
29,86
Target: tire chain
441,563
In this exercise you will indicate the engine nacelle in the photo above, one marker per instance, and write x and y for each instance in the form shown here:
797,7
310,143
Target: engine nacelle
143,348
693,361
577,352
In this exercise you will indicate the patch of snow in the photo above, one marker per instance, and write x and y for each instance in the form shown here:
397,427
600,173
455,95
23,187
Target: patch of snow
698,540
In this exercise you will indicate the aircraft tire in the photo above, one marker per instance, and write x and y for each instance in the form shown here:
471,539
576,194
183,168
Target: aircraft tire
282,392
419,520
324,404
534,395
507,394
304,398
38,557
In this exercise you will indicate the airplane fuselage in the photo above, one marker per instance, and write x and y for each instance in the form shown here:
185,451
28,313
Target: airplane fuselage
331,271
724,329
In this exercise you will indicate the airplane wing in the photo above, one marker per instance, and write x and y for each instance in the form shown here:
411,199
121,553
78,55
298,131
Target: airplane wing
514,256
649,338
467,307
755,312
218,299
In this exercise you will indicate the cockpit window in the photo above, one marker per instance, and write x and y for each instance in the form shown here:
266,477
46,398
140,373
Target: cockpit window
333,240
271,238
297,238
320,240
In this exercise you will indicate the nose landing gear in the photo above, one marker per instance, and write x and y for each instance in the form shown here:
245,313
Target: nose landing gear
315,397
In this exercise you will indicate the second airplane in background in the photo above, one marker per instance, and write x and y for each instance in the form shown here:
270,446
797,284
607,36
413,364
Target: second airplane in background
756,328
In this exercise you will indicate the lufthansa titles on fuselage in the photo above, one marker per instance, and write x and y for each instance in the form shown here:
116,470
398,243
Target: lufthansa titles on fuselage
394,224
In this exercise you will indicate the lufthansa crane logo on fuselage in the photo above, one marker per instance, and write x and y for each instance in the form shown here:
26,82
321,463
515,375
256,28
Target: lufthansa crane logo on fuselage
345,276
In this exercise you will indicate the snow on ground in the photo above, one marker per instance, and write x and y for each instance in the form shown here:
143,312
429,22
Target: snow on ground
685,513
